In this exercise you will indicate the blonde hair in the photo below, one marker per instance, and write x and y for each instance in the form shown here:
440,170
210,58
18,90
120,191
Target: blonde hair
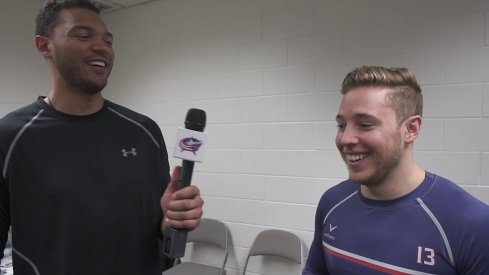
405,96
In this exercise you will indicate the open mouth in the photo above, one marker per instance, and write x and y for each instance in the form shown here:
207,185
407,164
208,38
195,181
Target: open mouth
98,63
356,157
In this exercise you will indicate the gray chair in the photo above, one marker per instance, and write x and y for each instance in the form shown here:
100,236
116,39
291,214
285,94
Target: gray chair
279,243
209,233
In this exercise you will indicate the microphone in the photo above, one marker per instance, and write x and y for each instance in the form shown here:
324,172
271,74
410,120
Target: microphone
190,145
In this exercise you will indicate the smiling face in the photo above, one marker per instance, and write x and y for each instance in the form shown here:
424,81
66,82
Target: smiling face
80,49
369,137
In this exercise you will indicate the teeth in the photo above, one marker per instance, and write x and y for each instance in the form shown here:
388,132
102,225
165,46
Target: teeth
356,157
97,63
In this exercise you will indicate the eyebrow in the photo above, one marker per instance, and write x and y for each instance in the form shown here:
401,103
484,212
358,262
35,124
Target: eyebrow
90,29
359,116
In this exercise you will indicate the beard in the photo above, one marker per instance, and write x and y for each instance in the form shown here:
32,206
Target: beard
382,171
387,161
75,77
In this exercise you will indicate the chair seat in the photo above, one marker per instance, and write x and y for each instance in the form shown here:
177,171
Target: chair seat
189,268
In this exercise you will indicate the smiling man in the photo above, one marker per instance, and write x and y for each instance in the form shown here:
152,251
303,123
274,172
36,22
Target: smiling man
391,216
85,182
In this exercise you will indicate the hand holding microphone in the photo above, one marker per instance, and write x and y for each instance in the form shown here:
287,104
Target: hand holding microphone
181,203
182,208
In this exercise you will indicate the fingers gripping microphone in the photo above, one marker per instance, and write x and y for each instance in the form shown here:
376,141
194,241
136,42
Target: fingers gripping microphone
190,147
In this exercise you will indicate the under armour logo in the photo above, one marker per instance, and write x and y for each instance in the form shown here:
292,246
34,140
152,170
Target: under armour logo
126,153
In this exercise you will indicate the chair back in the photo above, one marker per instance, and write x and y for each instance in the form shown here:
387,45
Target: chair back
276,242
212,232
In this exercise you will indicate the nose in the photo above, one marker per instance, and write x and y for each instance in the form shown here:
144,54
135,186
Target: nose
102,44
346,136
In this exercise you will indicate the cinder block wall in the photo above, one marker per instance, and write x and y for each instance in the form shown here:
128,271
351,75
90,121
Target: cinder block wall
23,72
268,72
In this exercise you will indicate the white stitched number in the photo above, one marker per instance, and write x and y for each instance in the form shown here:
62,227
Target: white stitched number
426,256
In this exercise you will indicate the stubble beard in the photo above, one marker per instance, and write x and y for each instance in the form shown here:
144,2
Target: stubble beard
383,167
75,77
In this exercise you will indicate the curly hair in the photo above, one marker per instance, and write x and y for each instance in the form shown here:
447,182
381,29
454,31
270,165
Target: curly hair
47,18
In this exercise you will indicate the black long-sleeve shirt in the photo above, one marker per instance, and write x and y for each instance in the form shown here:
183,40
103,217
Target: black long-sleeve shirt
82,193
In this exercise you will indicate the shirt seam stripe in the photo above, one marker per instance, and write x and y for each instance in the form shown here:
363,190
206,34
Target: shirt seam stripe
16,139
338,204
138,124
440,229
31,263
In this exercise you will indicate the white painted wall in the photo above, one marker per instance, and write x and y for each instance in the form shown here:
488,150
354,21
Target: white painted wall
23,73
268,73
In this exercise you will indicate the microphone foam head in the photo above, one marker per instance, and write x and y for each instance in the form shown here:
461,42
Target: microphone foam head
195,120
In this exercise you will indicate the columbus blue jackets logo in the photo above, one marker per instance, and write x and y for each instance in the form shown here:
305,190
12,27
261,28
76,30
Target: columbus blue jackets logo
190,144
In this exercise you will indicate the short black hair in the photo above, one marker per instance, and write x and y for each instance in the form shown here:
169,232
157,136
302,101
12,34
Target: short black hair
48,15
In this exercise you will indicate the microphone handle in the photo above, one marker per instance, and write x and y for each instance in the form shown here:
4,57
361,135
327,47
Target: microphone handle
175,240
186,174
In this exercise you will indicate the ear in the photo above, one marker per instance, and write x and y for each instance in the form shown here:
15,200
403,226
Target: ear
412,128
43,45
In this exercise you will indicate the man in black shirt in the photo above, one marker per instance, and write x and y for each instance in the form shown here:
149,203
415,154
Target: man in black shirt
85,182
